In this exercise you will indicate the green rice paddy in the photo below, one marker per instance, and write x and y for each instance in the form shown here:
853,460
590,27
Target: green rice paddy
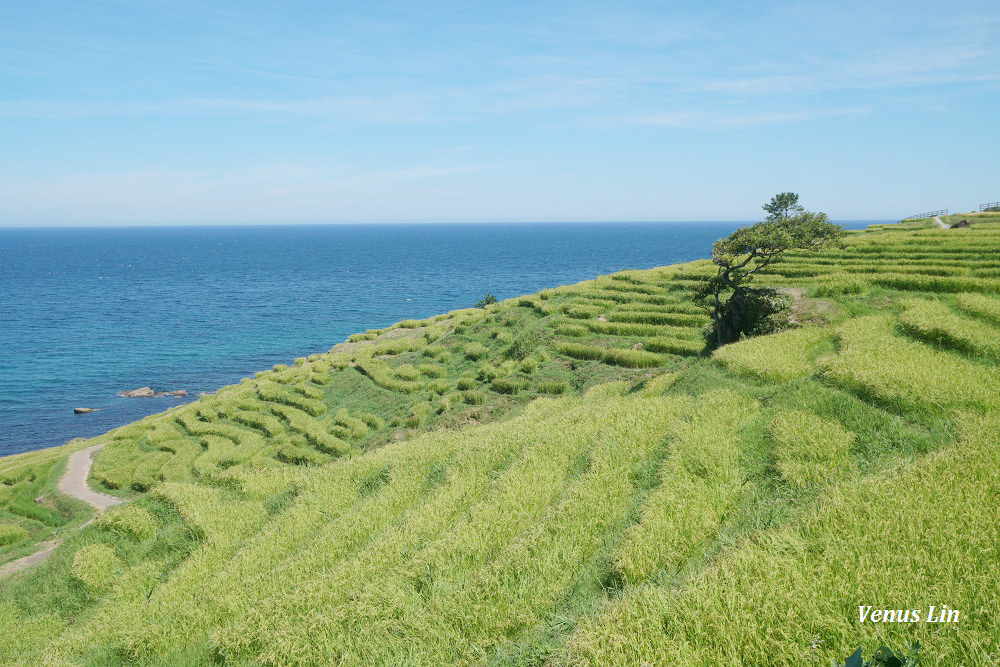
557,479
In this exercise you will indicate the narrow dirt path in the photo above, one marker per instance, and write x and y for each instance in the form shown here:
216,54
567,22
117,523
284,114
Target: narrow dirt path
941,223
73,483
74,480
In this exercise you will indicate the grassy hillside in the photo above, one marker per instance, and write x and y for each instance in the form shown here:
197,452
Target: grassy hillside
558,479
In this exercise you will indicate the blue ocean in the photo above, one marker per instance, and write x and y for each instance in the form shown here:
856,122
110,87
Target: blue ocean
86,313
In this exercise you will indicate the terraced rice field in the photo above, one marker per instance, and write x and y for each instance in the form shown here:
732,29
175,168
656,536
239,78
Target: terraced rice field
558,479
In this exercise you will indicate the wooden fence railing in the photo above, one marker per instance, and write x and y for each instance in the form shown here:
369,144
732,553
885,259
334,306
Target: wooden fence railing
928,214
992,206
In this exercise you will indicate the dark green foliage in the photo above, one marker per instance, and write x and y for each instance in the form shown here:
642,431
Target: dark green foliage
523,345
737,308
486,300
782,205
884,657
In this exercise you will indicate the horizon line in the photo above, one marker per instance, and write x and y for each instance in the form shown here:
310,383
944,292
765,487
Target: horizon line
398,222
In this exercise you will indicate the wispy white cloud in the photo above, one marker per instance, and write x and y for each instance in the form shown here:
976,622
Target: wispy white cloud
420,101
719,120
895,70
391,109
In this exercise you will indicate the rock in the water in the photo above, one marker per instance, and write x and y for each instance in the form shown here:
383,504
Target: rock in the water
81,411
175,392
141,392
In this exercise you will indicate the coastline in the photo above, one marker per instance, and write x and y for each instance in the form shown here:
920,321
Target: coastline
201,340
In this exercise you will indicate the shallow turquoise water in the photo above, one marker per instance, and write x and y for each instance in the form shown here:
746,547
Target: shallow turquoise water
85,313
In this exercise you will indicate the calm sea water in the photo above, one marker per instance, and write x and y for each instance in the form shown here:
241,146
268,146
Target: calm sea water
85,313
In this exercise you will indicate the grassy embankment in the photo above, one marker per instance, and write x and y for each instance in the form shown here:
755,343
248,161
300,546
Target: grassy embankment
559,479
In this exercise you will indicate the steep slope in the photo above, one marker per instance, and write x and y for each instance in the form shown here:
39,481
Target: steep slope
559,478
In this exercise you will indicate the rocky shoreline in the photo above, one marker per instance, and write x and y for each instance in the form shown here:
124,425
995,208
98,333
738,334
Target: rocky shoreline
141,392
147,392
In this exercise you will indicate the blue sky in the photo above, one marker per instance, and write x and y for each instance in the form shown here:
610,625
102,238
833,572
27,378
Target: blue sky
255,112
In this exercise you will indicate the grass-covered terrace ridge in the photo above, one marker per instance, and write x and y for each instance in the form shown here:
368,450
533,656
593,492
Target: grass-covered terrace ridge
558,479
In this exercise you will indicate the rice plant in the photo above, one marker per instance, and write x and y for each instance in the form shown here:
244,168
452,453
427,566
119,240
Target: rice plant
276,394
613,356
497,543
582,312
11,534
980,305
701,479
269,425
382,375
131,521
919,283
96,566
633,358
406,372
396,346
552,387
148,473
439,386
356,427
572,330
642,330
309,390
840,285
414,324
455,557
862,525
651,317
579,351
674,346
475,351
509,385
473,397
905,375
374,422
300,455
431,370
934,322
185,451
809,449
488,372
775,358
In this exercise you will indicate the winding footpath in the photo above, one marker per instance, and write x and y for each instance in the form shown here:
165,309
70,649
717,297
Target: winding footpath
73,483
941,223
